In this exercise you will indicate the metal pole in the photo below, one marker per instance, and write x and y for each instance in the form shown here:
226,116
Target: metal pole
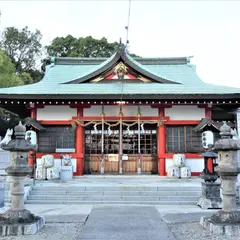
102,150
120,142
139,140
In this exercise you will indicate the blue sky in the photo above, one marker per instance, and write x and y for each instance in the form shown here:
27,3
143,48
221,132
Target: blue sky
207,30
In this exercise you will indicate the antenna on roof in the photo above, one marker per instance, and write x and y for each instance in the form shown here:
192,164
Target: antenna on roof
127,27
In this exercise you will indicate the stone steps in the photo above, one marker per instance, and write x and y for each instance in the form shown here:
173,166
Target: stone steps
115,198
92,202
115,188
164,195
117,193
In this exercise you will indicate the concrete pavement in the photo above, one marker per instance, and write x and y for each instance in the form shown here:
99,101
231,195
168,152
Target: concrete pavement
124,223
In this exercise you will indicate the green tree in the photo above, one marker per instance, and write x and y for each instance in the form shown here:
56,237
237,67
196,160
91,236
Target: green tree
8,77
70,46
63,47
23,47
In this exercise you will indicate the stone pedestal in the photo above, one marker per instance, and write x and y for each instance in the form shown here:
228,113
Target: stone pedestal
210,198
221,228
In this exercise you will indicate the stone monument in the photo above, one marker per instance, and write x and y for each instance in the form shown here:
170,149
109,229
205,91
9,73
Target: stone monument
227,220
18,220
210,197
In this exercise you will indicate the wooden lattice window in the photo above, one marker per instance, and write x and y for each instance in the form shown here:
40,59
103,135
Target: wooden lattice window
148,143
93,141
56,137
182,139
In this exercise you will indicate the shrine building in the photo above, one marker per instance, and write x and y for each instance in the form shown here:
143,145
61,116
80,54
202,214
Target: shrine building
122,115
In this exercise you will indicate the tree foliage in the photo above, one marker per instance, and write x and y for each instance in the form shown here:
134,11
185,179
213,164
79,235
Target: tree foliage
23,47
8,77
70,46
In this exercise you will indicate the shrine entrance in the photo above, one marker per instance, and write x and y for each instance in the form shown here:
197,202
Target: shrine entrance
128,141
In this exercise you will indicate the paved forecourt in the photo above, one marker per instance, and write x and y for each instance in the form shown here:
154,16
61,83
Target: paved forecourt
125,222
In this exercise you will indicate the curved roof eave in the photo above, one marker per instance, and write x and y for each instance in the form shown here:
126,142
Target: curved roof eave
109,63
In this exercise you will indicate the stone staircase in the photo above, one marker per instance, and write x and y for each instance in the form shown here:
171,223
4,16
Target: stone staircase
155,195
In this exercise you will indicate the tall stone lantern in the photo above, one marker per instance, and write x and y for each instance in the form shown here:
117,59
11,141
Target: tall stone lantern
18,220
227,220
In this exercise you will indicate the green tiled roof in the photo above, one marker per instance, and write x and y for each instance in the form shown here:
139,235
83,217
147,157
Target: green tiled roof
55,83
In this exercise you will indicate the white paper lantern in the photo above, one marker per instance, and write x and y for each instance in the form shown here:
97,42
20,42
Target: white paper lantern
33,136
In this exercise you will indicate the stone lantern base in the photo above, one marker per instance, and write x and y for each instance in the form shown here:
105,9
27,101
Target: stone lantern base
226,228
16,223
210,198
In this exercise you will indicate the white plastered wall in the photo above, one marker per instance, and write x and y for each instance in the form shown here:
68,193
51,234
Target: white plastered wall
57,163
196,164
56,113
185,113
113,111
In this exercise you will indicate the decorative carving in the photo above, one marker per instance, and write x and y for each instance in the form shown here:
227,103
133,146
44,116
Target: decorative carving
120,70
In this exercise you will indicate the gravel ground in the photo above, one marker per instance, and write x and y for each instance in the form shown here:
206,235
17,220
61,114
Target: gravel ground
53,231
194,231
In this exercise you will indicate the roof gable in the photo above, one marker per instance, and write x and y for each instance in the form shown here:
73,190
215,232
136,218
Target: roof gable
121,66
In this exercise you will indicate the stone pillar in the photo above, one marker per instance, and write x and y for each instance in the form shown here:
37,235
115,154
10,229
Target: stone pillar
227,220
18,220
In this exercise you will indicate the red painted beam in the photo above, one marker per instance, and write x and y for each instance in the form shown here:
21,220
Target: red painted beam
187,155
182,122
55,122
98,118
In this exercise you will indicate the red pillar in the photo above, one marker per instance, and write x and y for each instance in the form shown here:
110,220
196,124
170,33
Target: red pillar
208,112
33,115
79,144
161,145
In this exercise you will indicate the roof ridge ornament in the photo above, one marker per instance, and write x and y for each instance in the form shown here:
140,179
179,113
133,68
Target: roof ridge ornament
121,49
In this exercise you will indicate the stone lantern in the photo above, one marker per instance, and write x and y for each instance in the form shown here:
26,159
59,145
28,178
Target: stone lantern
209,174
227,220
210,197
18,220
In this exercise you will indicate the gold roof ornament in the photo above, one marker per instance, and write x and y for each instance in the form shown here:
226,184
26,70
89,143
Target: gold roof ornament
120,70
